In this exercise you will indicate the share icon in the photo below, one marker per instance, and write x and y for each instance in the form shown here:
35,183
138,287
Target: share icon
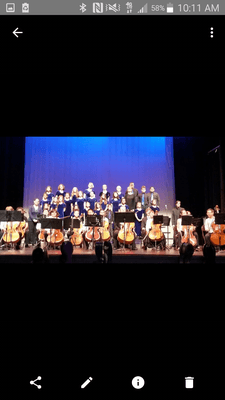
38,379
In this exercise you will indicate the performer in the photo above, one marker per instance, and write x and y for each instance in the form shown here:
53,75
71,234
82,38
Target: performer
216,209
61,190
92,200
115,201
104,191
24,231
147,225
154,195
123,204
154,207
103,201
130,197
44,200
34,225
97,208
134,191
118,189
175,215
61,206
208,225
89,190
118,227
48,190
143,197
104,230
76,237
178,230
56,235
110,215
87,228
54,203
139,215
74,195
80,202
87,208
69,204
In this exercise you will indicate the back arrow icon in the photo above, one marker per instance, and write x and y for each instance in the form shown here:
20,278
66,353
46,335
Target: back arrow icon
15,32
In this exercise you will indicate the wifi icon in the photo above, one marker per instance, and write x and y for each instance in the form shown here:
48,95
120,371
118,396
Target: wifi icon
144,9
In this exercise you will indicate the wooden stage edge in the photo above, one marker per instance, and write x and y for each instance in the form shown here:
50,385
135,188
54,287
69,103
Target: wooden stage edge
138,256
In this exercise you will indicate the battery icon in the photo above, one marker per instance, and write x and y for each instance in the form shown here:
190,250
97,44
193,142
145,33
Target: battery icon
169,8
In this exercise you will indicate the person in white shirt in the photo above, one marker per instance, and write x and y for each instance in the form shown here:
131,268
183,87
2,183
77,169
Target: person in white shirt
146,226
208,225
178,230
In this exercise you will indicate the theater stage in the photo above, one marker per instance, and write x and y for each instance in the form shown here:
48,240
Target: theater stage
138,256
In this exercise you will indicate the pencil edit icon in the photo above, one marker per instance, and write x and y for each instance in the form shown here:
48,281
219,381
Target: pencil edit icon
86,382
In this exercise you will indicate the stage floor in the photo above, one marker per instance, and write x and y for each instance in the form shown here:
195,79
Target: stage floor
127,256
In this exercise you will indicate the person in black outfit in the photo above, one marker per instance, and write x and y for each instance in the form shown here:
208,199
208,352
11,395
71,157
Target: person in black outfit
32,222
130,197
175,215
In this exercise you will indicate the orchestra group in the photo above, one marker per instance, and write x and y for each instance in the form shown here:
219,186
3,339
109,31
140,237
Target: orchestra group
78,205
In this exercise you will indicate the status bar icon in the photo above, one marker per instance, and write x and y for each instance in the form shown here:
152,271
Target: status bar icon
169,8
83,7
144,9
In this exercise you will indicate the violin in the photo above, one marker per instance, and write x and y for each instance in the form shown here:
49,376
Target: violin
56,237
188,236
217,238
77,237
105,235
11,235
129,234
155,233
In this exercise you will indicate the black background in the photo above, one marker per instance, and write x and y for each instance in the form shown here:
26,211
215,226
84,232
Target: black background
66,353
108,44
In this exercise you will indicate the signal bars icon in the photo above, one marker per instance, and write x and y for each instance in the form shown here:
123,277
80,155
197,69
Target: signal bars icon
144,9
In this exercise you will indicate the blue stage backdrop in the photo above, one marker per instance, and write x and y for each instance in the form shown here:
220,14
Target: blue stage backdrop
76,161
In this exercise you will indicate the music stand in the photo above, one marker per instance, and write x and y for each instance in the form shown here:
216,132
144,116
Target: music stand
124,217
94,220
9,216
158,220
75,223
51,223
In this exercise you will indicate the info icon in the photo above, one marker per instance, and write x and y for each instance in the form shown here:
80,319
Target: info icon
138,382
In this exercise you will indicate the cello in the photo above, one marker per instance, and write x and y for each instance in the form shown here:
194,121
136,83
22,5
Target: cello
55,238
188,236
217,238
129,234
77,237
155,233
11,235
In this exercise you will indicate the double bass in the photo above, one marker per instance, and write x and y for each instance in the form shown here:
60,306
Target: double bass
217,238
129,234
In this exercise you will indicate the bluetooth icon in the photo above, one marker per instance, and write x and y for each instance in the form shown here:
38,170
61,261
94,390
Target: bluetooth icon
83,7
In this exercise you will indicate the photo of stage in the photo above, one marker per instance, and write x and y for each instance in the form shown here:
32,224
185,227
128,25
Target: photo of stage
185,169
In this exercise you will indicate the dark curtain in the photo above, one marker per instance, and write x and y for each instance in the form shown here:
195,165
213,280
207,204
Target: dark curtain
12,153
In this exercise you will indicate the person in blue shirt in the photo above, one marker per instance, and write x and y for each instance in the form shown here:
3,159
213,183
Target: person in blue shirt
115,201
104,191
74,195
61,206
54,203
118,189
61,190
44,200
92,200
48,190
88,191
69,205
123,203
97,208
80,201
103,201
154,207
139,215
